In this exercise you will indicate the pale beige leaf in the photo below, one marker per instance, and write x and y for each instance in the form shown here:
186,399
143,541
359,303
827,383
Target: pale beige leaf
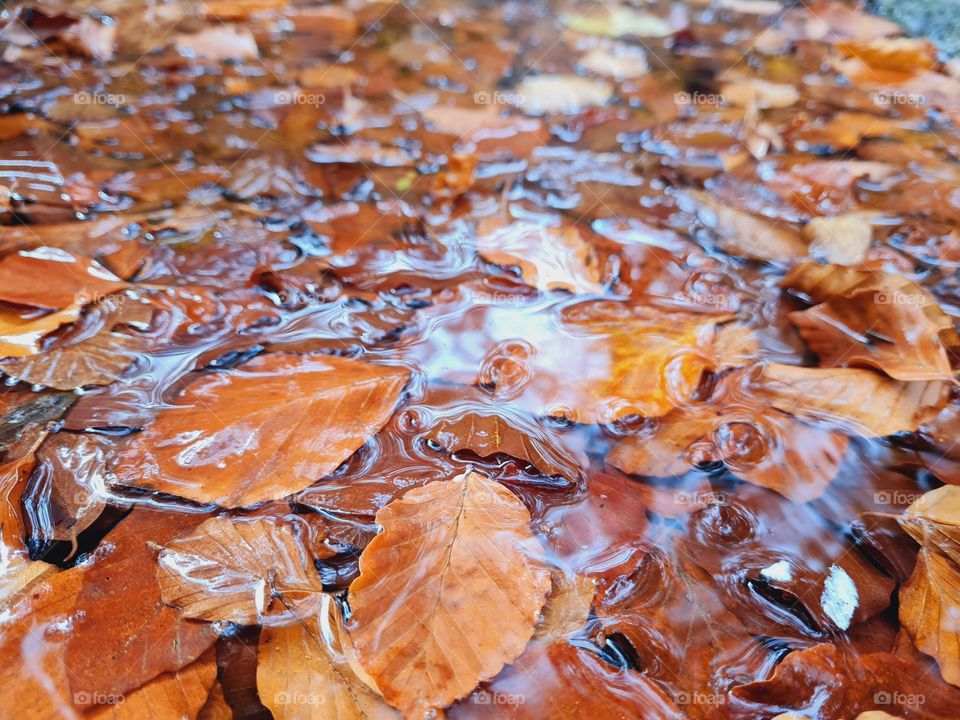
930,611
754,92
843,239
618,21
456,566
538,94
245,571
548,258
568,606
304,674
861,401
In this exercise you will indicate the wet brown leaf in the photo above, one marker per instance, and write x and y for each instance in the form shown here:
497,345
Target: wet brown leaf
263,431
860,400
303,672
874,319
245,571
436,577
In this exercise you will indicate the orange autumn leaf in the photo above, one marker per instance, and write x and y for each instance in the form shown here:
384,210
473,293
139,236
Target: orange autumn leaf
568,607
548,258
455,566
898,54
21,333
861,401
263,431
304,673
928,609
760,445
171,696
875,319
244,571
750,236
604,361
54,279
95,360
123,635
487,433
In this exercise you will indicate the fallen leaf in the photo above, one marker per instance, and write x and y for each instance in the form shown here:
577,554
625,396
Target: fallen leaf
865,317
842,239
619,21
35,617
562,681
762,94
861,401
67,490
233,10
762,446
54,279
223,42
435,578
901,54
263,431
487,433
621,62
934,518
748,235
303,672
928,608
18,463
548,258
545,94
17,574
568,607
600,361
123,635
21,334
244,571
174,695
99,359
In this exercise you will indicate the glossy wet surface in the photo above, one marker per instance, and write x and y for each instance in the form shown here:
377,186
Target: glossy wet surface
287,264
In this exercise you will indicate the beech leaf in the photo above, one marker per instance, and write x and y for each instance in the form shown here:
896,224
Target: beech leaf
263,431
548,258
303,672
244,571
455,566
874,319
862,401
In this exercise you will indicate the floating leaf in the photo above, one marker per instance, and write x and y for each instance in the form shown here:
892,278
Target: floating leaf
619,22
548,258
749,235
244,571
54,279
455,566
489,434
762,446
266,430
842,240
